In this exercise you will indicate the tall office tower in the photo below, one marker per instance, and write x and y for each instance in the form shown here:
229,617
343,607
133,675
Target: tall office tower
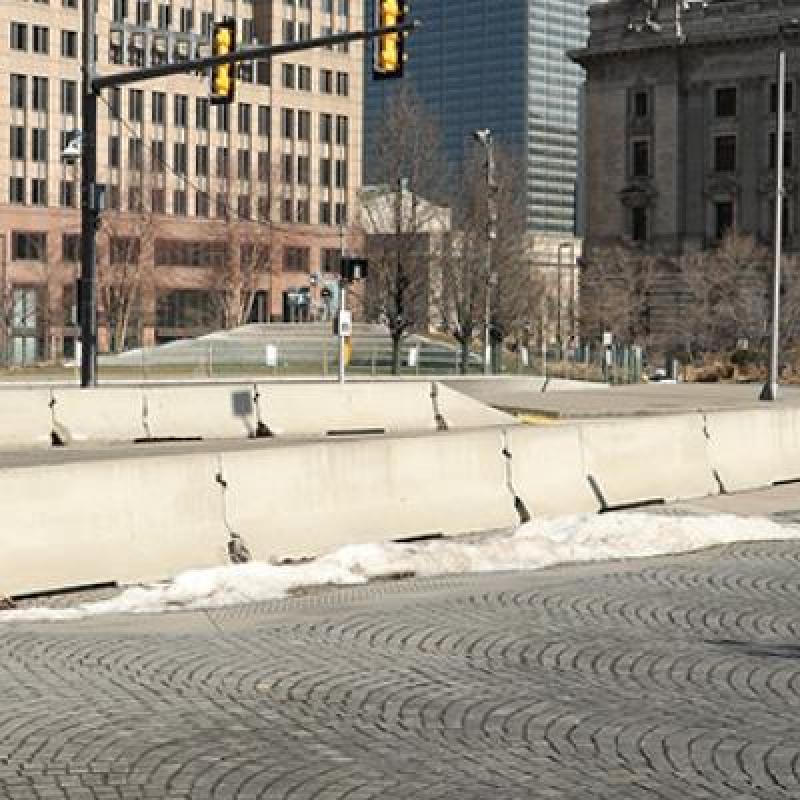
504,66
192,190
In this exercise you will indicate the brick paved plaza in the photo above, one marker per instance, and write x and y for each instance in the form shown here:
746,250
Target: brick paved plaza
669,678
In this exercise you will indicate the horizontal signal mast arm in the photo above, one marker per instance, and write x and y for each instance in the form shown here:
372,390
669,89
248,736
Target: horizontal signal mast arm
245,54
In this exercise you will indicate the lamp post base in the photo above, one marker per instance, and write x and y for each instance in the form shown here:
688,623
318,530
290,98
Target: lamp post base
770,391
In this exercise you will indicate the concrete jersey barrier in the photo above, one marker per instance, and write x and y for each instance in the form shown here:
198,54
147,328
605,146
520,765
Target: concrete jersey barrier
323,408
125,520
26,419
457,410
299,501
206,412
753,449
98,415
548,470
644,458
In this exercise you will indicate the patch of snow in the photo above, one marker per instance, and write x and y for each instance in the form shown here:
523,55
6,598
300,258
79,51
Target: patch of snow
537,544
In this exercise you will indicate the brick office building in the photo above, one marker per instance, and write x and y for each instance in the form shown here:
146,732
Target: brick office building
191,189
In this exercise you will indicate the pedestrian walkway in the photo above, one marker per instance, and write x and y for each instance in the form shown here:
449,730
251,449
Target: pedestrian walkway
673,678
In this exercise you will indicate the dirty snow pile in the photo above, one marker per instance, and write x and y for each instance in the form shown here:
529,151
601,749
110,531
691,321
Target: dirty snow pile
537,544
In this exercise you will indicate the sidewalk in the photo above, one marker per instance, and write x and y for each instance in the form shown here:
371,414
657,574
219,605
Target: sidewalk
510,394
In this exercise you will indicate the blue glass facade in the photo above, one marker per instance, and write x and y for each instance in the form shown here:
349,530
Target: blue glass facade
503,66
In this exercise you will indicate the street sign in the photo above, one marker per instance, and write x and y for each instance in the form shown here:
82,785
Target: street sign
344,323
271,355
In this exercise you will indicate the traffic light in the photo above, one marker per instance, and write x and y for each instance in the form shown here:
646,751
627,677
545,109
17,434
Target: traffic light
223,76
389,48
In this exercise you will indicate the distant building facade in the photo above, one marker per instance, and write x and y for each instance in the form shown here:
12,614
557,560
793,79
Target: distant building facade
504,66
681,122
282,164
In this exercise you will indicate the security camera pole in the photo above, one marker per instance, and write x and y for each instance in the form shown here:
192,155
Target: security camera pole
387,66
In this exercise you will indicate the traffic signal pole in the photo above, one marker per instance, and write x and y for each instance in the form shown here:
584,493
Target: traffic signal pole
93,84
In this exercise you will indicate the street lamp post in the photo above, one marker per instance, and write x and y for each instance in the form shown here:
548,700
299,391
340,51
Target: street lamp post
770,390
484,138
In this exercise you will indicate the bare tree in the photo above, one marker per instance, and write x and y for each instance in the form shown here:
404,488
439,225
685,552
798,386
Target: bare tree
465,275
728,290
618,288
399,215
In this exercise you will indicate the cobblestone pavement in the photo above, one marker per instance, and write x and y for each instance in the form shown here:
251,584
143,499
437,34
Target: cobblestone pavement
670,678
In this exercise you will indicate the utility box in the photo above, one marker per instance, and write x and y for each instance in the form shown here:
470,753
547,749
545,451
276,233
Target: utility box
343,323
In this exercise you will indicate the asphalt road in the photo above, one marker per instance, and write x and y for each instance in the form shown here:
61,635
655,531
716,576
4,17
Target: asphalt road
673,678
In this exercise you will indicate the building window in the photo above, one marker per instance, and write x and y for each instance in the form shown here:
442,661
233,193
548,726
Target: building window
159,108
158,201
244,118
19,36
135,199
264,166
326,81
180,158
341,214
69,44
179,203
69,97
641,159
17,143
41,87
222,162
263,121
287,168
325,128
39,192
287,76
303,31
287,123
19,91
329,259
639,224
304,170
296,259
67,194
286,210
243,206
71,248
201,160
341,130
787,149
325,172
201,204
115,103
263,208
342,84
243,165
723,218
158,155
16,190
288,30
223,118
28,246
304,78
303,212
41,39
39,145
725,153
725,101
135,105
304,126
641,103
181,111
788,97
201,113
113,152
263,72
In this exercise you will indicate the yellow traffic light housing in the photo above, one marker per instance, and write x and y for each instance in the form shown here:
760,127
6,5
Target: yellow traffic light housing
223,76
389,48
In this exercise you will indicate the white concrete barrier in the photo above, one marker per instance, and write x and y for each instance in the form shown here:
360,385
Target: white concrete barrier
206,412
131,520
322,408
98,415
460,411
25,418
548,470
752,449
303,500
639,459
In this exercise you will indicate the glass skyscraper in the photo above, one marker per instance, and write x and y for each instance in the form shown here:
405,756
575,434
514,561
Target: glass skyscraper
500,64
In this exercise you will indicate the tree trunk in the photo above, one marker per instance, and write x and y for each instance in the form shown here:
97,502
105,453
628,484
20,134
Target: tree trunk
464,355
397,338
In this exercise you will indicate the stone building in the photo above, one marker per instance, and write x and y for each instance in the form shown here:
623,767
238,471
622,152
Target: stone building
681,121
266,186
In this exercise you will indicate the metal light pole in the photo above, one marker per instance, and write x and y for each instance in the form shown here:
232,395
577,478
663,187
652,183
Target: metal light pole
89,201
484,138
770,390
